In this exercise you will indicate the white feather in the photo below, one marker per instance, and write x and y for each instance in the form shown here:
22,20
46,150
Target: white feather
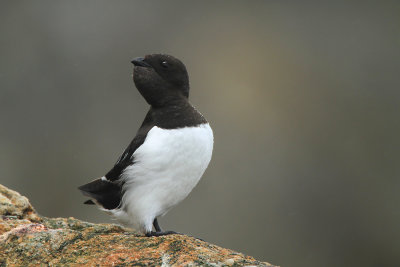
168,165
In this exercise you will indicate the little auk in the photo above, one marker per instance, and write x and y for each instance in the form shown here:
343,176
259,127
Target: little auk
166,158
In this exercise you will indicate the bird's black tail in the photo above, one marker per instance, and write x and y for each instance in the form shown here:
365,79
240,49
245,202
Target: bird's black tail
105,193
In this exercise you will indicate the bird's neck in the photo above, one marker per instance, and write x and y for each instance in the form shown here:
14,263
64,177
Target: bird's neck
176,114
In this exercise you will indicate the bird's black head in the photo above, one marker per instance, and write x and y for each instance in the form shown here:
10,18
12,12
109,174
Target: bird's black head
161,79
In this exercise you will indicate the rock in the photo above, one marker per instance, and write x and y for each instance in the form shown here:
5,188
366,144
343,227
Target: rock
28,239
13,204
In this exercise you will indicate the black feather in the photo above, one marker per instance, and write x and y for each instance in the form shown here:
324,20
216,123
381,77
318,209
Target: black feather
106,193
89,202
126,158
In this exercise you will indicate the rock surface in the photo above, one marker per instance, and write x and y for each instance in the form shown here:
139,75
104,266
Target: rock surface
28,239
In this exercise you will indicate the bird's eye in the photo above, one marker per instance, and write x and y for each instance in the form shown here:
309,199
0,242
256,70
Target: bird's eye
164,64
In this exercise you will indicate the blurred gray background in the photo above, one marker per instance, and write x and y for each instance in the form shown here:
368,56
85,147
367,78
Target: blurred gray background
303,98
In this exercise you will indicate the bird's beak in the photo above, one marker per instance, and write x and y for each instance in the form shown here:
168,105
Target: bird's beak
139,61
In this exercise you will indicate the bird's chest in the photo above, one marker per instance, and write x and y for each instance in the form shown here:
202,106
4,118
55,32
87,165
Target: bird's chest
177,157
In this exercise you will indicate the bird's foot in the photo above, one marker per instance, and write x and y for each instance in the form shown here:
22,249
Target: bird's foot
148,234
152,233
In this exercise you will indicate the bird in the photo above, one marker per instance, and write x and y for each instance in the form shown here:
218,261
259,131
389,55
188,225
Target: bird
167,157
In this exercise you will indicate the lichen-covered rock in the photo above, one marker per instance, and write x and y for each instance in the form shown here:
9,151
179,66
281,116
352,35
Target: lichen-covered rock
12,204
27,239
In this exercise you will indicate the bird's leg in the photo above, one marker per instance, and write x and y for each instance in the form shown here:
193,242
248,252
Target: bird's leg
156,225
159,231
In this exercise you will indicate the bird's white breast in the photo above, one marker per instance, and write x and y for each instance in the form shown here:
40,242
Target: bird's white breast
166,168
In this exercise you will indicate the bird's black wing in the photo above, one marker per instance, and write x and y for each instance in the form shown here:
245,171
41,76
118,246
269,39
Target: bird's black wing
126,158
108,192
